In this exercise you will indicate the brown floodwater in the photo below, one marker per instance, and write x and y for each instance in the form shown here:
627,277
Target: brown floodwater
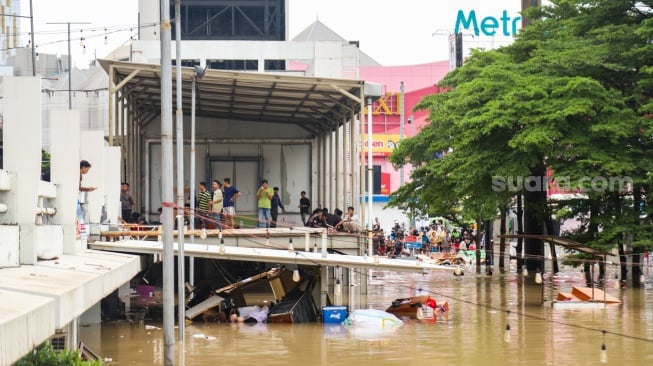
471,334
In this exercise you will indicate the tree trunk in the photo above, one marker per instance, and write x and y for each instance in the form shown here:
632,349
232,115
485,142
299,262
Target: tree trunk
489,248
478,244
551,230
623,259
502,240
520,231
587,268
535,205
636,270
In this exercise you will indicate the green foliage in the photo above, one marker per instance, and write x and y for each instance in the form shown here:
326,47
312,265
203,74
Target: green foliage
45,355
573,94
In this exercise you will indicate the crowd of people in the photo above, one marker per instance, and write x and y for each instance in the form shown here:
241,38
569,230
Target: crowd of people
433,238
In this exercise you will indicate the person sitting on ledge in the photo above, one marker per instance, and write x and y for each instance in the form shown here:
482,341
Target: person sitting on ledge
350,223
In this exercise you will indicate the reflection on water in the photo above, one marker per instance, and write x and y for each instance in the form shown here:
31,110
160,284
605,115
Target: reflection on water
471,334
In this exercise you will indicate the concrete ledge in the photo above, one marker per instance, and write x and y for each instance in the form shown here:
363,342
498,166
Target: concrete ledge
25,322
37,299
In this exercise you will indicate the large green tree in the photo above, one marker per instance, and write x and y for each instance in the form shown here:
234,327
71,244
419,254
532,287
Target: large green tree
571,94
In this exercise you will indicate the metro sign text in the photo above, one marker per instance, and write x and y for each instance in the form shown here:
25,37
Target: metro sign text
488,25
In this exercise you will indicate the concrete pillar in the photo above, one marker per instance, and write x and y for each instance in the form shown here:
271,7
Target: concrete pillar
91,148
112,184
64,172
22,154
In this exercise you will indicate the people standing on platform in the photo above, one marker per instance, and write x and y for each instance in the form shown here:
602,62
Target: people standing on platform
304,208
203,199
264,203
216,202
126,202
84,167
276,204
229,195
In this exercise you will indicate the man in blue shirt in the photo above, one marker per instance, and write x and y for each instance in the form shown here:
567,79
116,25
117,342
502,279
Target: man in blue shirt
229,195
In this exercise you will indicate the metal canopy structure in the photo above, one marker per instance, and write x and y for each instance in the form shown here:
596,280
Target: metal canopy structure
314,104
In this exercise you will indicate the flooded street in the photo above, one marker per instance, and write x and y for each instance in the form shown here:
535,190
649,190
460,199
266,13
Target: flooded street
471,334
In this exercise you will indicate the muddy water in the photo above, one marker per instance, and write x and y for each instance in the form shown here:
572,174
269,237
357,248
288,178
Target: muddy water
471,334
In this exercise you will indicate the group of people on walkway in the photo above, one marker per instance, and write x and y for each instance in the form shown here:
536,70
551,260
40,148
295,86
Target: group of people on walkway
268,203
336,221
218,205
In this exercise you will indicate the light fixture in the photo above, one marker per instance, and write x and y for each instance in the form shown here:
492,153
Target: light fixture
337,291
616,281
524,271
267,241
290,246
220,234
642,278
420,311
221,249
203,234
295,275
458,271
538,277
506,334
604,352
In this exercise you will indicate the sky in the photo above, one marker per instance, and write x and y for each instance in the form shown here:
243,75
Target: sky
391,32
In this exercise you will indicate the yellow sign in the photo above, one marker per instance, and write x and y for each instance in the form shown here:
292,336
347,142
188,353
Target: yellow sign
389,104
382,144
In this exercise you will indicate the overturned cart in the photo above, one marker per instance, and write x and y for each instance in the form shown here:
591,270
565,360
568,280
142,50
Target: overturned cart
293,301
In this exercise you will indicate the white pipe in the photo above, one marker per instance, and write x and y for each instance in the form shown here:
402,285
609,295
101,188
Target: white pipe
166,186
307,239
370,176
46,211
191,259
324,244
180,174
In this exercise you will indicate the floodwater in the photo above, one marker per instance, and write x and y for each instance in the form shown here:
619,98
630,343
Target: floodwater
471,334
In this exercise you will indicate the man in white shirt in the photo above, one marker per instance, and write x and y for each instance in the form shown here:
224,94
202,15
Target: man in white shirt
350,222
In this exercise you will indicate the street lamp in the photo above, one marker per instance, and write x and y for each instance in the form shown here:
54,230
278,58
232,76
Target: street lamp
70,70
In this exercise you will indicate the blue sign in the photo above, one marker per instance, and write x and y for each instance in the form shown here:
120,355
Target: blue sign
488,25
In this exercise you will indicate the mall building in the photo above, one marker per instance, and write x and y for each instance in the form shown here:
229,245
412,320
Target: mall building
320,157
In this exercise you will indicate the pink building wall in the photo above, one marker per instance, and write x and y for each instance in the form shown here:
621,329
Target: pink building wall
419,81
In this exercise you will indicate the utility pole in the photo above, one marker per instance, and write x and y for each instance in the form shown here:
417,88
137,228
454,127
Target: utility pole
181,303
167,196
70,57
401,129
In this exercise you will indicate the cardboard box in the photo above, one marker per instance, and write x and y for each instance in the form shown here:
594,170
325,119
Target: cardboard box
334,314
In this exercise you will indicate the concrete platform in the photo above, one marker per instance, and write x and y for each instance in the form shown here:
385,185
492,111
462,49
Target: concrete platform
297,256
35,300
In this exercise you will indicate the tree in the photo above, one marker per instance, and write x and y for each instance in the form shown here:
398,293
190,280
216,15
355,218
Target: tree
554,99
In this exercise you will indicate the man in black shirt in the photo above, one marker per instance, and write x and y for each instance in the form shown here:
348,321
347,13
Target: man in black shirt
304,207
276,204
